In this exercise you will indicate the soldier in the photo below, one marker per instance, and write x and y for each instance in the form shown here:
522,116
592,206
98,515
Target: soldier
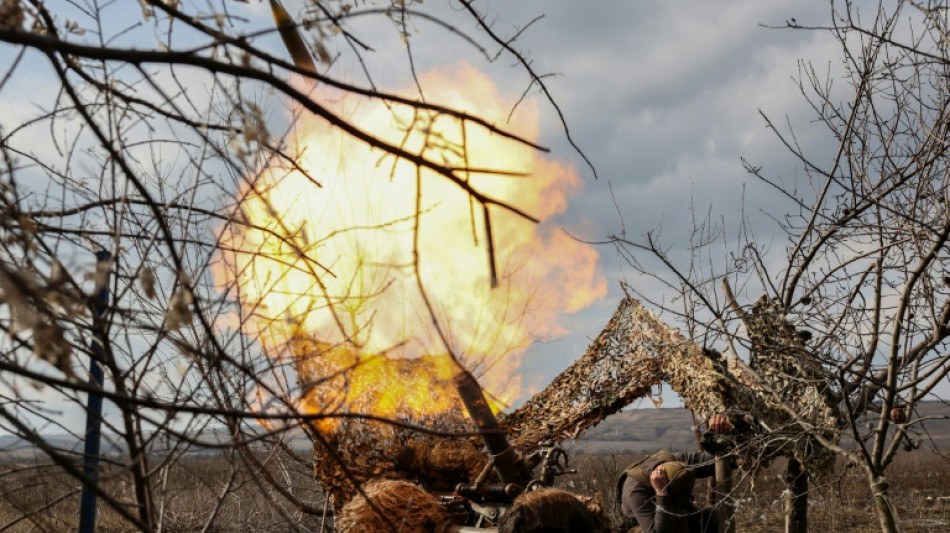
656,494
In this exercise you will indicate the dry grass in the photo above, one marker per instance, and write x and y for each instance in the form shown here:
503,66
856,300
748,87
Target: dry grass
192,495
213,493
840,502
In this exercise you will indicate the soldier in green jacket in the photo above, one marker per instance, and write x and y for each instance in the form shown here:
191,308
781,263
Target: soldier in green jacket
656,494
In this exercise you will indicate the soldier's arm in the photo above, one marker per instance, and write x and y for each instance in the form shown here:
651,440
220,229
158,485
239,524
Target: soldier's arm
703,463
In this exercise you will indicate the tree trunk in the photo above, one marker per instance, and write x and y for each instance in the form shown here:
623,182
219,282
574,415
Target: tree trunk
723,494
886,513
796,498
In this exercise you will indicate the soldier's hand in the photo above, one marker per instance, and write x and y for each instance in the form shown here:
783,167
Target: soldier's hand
659,480
719,423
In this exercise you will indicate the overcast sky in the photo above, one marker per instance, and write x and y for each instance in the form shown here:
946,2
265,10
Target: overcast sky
663,97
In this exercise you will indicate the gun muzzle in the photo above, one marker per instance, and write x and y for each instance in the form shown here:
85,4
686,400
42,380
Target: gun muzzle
507,464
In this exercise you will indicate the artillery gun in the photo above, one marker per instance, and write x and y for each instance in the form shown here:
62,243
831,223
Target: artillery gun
469,489
635,352
372,470
486,501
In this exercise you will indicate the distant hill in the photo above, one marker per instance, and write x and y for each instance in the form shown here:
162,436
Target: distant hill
15,448
642,430
649,429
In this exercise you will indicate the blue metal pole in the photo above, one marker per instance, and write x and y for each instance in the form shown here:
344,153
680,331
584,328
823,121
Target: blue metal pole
90,466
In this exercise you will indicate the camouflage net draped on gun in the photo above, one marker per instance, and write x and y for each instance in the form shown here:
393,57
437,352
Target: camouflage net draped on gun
637,351
633,353
351,451
777,415
789,374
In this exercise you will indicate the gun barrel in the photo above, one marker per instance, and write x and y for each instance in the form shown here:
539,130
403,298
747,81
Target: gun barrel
509,467
489,492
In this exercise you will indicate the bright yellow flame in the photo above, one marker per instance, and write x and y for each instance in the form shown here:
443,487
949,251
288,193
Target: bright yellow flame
392,388
336,262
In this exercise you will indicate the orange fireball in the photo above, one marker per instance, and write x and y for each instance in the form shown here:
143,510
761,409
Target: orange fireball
366,259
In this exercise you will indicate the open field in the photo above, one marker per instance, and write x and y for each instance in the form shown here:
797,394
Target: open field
209,491
213,495
42,498
840,502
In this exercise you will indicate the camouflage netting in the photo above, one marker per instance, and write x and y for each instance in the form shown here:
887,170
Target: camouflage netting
793,376
777,402
781,358
637,351
348,451
621,365
547,510
360,451
396,506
